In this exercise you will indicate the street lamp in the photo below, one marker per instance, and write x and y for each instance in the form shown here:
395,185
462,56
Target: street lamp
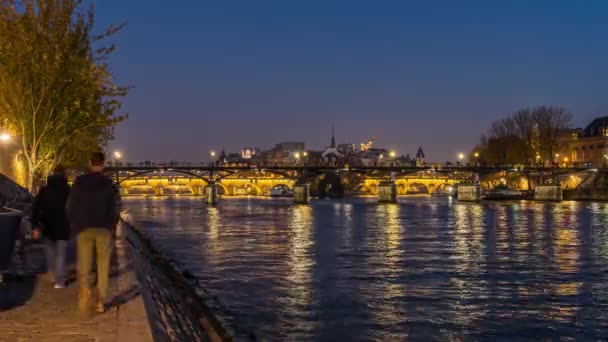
5,137
393,154
305,154
117,155
476,154
211,155
297,155
461,156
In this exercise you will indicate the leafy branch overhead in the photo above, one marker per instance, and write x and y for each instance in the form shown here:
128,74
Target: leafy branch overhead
56,90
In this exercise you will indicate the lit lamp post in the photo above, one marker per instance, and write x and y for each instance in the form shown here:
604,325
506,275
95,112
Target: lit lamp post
476,155
557,159
117,157
460,158
380,159
297,155
565,161
211,157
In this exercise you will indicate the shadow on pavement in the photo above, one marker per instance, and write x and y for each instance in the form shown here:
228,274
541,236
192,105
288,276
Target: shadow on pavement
16,290
125,296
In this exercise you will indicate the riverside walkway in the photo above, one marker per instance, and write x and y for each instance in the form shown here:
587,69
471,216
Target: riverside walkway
31,310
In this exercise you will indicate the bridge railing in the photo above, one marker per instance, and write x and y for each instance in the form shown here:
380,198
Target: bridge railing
175,310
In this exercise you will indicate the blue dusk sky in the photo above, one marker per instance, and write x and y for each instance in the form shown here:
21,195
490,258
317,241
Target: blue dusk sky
232,74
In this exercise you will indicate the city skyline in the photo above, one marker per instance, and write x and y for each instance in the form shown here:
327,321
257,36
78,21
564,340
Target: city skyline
230,75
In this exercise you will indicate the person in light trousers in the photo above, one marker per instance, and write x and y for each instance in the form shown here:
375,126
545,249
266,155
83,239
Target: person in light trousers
93,210
50,220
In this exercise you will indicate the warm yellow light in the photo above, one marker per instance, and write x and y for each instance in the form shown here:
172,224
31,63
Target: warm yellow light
305,153
117,154
297,155
393,154
381,156
212,153
566,159
537,157
476,154
5,137
557,155
461,156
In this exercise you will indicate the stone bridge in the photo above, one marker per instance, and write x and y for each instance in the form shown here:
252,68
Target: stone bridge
245,184
260,184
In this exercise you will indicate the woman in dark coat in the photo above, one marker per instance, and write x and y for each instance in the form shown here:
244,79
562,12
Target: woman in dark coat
49,217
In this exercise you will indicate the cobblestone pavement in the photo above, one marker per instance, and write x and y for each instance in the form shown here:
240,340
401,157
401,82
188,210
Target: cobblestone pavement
31,310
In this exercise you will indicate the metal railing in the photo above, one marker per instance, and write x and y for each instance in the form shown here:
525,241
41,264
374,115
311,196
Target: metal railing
176,312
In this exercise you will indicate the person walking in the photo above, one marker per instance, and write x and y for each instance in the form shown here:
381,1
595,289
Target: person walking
50,221
93,212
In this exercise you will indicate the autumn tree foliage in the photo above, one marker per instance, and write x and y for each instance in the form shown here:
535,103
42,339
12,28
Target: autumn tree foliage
57,94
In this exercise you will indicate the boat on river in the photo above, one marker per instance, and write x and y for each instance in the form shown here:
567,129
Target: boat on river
281,191
504,194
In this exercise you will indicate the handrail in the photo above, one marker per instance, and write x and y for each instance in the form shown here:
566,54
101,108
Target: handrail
176,312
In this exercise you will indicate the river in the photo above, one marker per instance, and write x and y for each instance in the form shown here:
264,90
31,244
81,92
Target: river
424,269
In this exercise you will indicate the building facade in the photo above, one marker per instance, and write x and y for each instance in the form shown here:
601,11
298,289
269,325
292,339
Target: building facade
590,145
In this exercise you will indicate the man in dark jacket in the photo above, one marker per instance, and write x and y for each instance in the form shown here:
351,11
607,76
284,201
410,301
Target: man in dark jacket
49,218
93,212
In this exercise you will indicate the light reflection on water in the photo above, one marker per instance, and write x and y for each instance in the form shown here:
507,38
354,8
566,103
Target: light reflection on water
423,269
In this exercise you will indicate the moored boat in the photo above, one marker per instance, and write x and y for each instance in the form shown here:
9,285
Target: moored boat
281,191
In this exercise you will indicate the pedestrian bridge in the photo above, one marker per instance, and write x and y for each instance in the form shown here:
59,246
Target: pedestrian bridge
260,184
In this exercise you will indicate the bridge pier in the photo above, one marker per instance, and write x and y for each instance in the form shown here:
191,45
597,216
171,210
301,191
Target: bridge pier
159,191
469,192
549,192
211,194
197,191
387,192
301,194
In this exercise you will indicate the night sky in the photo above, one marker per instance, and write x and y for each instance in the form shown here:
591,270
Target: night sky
232,74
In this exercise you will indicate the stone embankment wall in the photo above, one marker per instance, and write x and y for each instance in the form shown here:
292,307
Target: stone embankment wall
176,309
586,194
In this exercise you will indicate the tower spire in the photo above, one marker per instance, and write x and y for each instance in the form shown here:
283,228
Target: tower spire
333,139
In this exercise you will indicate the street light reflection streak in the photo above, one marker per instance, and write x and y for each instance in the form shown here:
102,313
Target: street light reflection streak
300,262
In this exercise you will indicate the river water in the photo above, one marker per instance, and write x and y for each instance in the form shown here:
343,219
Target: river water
424,269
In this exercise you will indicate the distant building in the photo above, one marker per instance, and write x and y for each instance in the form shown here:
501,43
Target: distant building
248,152
346,149
589,145
367,145
291,147
420,157
331,154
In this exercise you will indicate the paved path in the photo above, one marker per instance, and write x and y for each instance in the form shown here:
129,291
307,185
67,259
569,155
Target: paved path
31,310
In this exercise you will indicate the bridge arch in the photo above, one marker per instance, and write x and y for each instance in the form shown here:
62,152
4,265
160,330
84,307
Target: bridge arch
221,189
416,188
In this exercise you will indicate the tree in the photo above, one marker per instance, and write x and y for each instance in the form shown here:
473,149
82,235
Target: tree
56,91
524,134
551,122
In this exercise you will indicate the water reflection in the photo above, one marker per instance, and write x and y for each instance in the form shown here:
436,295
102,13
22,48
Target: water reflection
300,263
424,269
